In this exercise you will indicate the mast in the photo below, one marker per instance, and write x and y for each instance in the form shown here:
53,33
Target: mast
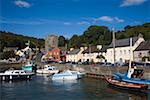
130,54
90,53
130,69
113,40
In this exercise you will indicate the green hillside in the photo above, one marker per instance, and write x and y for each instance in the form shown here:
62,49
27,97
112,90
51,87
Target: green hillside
8,39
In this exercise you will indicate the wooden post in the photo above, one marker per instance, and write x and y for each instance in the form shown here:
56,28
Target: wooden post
3,78
28,77
10,77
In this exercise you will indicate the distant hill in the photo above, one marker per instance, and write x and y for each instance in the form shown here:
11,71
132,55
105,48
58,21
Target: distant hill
8,39
93,35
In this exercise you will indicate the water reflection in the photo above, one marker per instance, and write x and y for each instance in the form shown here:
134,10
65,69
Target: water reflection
42,87
68,85
132,95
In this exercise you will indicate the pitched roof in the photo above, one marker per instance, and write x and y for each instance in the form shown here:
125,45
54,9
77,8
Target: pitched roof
104,48
94,49
74,51
123,42
145,45
91,49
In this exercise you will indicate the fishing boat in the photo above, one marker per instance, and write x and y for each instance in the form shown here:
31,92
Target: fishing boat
47,70
66,75
125,80
133,75
126,85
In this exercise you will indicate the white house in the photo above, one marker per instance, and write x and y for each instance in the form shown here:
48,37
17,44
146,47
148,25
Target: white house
122,49
91,54
143,50
74,55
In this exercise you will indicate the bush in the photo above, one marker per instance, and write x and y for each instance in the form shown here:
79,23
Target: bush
8,54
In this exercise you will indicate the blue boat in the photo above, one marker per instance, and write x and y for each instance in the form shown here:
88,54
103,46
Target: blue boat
123,77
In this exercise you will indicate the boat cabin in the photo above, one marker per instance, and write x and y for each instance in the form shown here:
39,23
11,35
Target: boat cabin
138,73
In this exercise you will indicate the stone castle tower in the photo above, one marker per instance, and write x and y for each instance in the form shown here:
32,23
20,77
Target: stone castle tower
51,41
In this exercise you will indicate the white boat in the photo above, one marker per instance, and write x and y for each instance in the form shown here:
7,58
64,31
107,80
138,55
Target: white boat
79,74
16,72
47,70
66,75
13,74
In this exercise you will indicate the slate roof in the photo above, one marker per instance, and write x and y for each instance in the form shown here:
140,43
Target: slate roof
92,49
104,48
123,42
74,51
145,45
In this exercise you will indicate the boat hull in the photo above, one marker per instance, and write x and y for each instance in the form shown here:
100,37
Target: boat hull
41,71
125,85
124,78
67,77
27,68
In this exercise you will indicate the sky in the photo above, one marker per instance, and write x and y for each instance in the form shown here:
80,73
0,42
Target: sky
39,18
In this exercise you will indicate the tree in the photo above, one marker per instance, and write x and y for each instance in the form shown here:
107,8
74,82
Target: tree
96,35
8,54
61,41
9,39
74,42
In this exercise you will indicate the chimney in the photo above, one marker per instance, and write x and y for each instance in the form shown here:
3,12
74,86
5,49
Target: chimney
71,49
99,47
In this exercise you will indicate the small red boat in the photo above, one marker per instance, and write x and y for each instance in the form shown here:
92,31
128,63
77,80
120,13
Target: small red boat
125,85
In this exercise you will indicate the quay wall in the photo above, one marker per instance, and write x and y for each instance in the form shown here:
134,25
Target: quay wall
90,70
100,71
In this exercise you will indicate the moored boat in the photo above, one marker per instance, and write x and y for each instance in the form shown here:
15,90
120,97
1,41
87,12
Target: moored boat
66,75
28,66
126,85
16,74
47,70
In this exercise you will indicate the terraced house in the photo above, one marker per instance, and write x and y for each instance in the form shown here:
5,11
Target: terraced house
142,52
94,54
122,49
74,55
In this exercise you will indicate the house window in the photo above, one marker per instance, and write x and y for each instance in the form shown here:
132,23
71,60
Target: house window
120,51
124,51
140,55
129,51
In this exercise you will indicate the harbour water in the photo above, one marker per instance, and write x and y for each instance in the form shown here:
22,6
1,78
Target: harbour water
43,88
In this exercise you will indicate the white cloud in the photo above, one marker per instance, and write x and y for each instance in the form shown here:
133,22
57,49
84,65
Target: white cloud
126,3
118,20
22,4
83,23
67,23
107,19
